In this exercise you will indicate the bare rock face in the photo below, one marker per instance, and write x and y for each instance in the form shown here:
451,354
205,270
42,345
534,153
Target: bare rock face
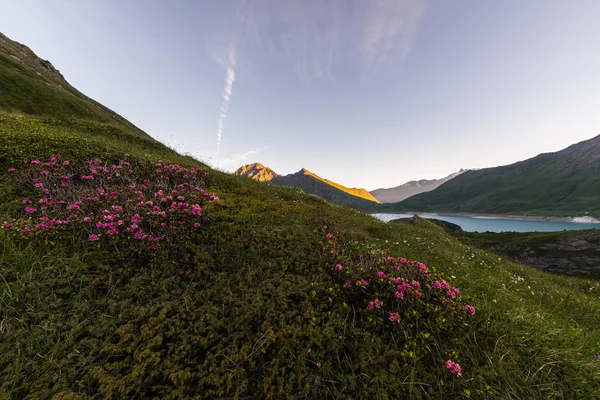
257,171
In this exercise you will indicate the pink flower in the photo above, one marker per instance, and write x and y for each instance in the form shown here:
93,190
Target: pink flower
29,210
339,267
35,162
394,317
371,305
377,303
87,219
390,259
417,293
363,283
11,170
196,224
470,309
26,201
381,275
93,237
454,368
347,284
66,162
416,284
329,235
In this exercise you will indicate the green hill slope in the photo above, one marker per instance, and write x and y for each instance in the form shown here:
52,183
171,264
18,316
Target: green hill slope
128,277
565,183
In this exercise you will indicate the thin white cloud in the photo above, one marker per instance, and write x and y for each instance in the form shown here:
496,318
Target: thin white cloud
232,163
316,37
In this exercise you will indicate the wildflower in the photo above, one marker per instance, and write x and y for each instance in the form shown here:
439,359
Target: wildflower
93,237
390,259
10,170
381,275
416,284
416,293
454,368
394,317
26,201
339,267
329,235
363,283
87,219
29,210
470,309
377,303
371,305
35,162
196,224
66,162
347,284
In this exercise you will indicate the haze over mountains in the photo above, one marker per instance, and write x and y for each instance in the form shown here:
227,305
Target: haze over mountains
408,189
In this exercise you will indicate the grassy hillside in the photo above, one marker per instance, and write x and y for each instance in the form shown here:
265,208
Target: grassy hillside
149,275
32,85
565,183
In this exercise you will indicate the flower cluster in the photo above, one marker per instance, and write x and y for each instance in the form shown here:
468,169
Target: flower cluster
454,368
391,291
146,202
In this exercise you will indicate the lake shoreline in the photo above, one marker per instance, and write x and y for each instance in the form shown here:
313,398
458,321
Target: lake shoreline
496,216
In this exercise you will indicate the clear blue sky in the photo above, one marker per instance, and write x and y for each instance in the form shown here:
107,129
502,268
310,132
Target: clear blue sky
366,93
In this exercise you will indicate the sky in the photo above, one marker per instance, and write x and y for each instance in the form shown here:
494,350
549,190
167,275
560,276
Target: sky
366,93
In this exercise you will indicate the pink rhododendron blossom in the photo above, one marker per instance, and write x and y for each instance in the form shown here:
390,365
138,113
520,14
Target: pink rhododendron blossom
10,170
394,317
94,237
470,309
339,267
454,368
29,210
381,275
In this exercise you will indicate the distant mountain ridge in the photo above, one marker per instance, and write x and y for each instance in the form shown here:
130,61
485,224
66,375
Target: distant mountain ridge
411,188
563,183
312,183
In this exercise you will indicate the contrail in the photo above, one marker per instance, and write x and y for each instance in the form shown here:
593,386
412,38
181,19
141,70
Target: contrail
229,79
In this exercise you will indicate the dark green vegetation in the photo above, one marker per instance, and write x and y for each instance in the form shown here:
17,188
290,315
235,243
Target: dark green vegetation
565,183
252,306
572,252
416,220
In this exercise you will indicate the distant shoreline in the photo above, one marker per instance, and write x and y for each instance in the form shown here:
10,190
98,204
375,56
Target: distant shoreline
498,216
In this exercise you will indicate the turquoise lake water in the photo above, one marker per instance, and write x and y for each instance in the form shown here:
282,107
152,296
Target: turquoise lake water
487,224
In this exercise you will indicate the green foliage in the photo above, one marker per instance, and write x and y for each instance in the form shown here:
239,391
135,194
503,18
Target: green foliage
565,183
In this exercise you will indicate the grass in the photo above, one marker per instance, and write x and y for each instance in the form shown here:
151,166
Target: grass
251,306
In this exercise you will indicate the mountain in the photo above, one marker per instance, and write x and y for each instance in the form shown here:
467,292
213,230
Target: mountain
256,171
312,183
408,189
34,86
564,183
237,289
